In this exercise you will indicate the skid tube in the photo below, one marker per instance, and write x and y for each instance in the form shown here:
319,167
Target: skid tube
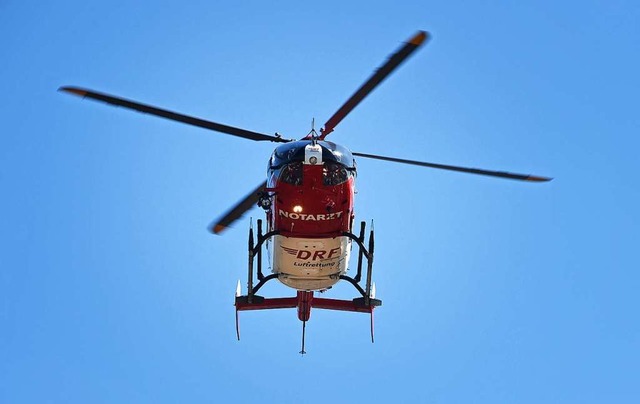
304,301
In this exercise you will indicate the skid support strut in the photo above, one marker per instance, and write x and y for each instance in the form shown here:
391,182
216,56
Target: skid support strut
304,301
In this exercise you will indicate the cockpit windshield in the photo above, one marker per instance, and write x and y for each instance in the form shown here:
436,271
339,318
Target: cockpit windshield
291,173
294,151
287,163
334,174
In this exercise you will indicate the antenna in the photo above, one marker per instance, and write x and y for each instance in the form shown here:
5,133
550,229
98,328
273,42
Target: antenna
304,324
313,135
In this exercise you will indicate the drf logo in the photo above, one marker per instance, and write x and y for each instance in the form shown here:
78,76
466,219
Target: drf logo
313,255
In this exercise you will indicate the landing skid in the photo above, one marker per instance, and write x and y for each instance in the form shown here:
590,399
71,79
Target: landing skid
304,301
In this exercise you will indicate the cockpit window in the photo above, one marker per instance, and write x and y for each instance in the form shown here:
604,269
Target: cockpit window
287,153
291,152
291,173
334,173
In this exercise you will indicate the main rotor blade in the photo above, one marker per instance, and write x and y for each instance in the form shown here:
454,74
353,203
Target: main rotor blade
174,116
501,174
394,61
237,211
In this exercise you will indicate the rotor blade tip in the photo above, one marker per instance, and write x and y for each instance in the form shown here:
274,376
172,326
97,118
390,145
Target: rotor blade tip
419,38
535,178
218,228
73,90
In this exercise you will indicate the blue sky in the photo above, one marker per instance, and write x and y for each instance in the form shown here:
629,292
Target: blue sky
494,291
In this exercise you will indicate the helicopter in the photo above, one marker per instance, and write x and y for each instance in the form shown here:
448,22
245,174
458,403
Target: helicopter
308,199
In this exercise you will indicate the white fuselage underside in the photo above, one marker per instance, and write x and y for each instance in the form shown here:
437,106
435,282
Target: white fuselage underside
310,263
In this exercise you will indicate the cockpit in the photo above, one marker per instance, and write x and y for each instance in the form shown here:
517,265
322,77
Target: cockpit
288,161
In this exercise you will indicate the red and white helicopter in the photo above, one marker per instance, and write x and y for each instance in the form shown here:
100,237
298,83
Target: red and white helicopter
308,198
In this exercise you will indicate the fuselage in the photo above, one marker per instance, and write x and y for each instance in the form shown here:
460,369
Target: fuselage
312,184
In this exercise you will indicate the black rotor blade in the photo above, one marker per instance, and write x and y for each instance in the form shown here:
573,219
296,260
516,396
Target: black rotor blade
218,127
394,61
501,174
237,211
